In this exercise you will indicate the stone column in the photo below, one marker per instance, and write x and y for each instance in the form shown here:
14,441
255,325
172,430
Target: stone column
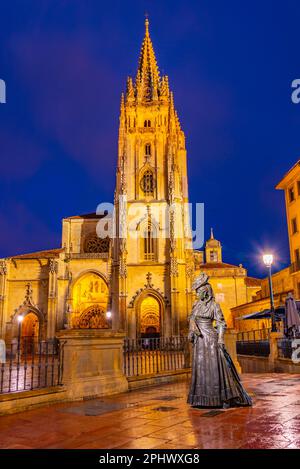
174,295
52,295
92,362
230,344
274,349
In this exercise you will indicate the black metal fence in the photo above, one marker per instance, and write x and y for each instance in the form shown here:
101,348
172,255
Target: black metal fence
255,342
151,356
31,365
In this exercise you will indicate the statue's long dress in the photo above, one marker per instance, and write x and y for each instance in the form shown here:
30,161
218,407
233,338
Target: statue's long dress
215,381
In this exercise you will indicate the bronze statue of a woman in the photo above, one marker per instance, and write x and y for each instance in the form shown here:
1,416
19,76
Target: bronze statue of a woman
215,381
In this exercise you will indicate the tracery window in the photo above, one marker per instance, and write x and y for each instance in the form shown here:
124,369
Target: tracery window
94,244
93,318
149,244
147,183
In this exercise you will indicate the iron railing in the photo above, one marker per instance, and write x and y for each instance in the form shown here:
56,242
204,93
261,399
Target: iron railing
254,335
152,356
31,364
255,342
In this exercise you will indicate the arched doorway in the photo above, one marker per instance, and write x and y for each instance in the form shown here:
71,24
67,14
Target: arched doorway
149,317
30,331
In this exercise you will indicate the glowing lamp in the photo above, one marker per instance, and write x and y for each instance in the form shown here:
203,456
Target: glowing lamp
20,318
108,315
268,259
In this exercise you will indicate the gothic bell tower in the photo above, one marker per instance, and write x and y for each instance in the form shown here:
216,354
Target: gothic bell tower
152,263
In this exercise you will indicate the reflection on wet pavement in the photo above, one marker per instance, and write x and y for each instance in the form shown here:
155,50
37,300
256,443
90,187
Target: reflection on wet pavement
144,419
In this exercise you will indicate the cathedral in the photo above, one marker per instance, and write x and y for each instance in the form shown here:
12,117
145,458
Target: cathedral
130,270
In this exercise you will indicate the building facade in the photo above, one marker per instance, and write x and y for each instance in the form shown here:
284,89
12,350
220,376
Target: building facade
130,269
290,183
288,279
141,271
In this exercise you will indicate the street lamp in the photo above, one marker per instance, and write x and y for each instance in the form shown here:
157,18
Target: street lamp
108,315
20,320
268,261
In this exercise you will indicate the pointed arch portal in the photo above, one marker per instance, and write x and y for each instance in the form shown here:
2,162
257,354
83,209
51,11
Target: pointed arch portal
149,317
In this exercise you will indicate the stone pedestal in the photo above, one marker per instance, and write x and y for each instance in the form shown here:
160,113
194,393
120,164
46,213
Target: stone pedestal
230,344
92,362
274,348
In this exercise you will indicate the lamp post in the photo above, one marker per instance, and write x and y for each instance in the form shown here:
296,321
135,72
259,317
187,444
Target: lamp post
268,261
20,320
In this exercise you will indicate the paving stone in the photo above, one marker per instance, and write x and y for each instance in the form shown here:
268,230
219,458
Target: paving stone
142,419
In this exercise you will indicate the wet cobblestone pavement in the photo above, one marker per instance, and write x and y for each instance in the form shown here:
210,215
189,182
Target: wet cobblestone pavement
158,417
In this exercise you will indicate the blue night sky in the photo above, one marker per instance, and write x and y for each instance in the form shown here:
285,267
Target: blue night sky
230,65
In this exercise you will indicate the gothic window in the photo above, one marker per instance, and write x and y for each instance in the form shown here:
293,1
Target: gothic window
149,248
147,123
93,244
147,183
148,149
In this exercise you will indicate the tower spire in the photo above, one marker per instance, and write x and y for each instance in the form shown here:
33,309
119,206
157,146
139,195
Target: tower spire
146,24
148,72
212,233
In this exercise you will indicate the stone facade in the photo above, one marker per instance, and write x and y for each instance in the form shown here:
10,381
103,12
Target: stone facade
291,186
288,279
136,277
